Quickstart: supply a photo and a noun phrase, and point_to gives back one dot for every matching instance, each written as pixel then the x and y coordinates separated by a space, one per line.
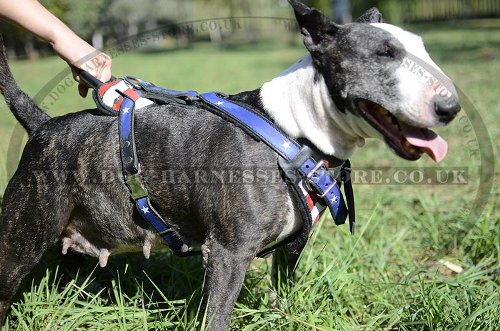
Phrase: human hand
pixel 81 56
pixel 98 66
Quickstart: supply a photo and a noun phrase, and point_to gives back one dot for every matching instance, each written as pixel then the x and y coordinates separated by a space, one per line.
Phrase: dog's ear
pixel 314 26
pixel 372 15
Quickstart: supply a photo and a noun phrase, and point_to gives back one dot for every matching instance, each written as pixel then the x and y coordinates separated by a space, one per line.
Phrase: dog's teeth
pixel 146 250
pixel 388 116
pixel 67 242
pixel 103 257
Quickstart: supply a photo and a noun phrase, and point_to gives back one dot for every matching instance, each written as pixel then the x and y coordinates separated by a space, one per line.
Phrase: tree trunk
pixel 97 39
pixel 341 11
pixel 29 48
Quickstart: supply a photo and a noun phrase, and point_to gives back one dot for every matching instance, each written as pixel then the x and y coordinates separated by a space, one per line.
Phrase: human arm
pixel 32 16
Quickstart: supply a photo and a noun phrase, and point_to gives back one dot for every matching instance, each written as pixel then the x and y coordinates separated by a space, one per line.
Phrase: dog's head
pixel 382 80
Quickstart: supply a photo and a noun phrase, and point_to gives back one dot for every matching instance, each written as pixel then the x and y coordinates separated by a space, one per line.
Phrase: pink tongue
pixel 427 140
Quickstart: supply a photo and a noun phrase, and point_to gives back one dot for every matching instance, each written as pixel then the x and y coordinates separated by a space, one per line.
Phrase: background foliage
pixel 103 22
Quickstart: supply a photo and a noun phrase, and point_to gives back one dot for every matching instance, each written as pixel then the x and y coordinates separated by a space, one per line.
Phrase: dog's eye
pixel 386 52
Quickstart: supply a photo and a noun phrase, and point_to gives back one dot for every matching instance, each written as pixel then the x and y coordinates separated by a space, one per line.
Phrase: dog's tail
pixel 22 106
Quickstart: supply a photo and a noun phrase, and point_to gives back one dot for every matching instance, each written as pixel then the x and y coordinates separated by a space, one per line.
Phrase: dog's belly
pixel 74 239
pixel 102 221
pixel 107 229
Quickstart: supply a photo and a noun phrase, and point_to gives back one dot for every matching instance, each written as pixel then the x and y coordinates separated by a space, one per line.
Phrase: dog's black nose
pixel 446 108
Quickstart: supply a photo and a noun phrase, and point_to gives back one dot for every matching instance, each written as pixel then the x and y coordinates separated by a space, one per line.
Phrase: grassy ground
pixel 392 275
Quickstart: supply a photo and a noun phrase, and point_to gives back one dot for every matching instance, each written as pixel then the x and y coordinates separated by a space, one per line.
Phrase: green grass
pixel 386 277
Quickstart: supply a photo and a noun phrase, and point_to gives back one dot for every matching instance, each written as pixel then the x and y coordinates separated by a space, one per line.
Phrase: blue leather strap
pixel 316 175
pixel 130 163
pixel 320 179
pixel 153 217
pixel 132 172
pixel 265 130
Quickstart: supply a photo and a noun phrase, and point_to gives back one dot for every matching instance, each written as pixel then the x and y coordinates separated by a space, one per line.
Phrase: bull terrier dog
pixel 357 81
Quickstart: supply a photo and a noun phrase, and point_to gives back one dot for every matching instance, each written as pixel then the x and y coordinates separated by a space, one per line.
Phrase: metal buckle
pixel 307 182
pixel 335 172
pixel 310 175
pixel 328 189
pixel 134 184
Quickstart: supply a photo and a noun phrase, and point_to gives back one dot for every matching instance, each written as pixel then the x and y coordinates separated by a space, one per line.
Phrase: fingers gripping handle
pixel 90 80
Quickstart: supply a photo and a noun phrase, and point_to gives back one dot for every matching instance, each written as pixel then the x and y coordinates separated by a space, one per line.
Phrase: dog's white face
pixel 415 75
pixel 421 97
pixel 363 81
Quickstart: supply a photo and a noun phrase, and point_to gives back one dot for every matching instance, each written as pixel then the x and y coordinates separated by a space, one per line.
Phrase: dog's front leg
pixel 224 276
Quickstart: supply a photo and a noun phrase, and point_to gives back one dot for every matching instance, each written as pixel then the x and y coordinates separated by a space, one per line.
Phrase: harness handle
pixel 89 80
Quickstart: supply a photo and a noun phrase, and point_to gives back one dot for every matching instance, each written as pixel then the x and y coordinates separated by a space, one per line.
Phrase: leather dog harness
pixel 315 178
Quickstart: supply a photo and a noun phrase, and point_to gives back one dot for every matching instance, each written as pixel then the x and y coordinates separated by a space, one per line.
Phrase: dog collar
pixel 303 167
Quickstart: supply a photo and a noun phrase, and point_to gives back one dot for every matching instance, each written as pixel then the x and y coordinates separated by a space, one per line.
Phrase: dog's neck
pixel 298 101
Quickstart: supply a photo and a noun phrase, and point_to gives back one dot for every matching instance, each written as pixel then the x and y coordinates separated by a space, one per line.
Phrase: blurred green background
pixel 103 22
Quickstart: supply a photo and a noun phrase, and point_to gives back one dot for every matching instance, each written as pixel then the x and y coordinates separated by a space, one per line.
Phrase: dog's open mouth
pixel 408 141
